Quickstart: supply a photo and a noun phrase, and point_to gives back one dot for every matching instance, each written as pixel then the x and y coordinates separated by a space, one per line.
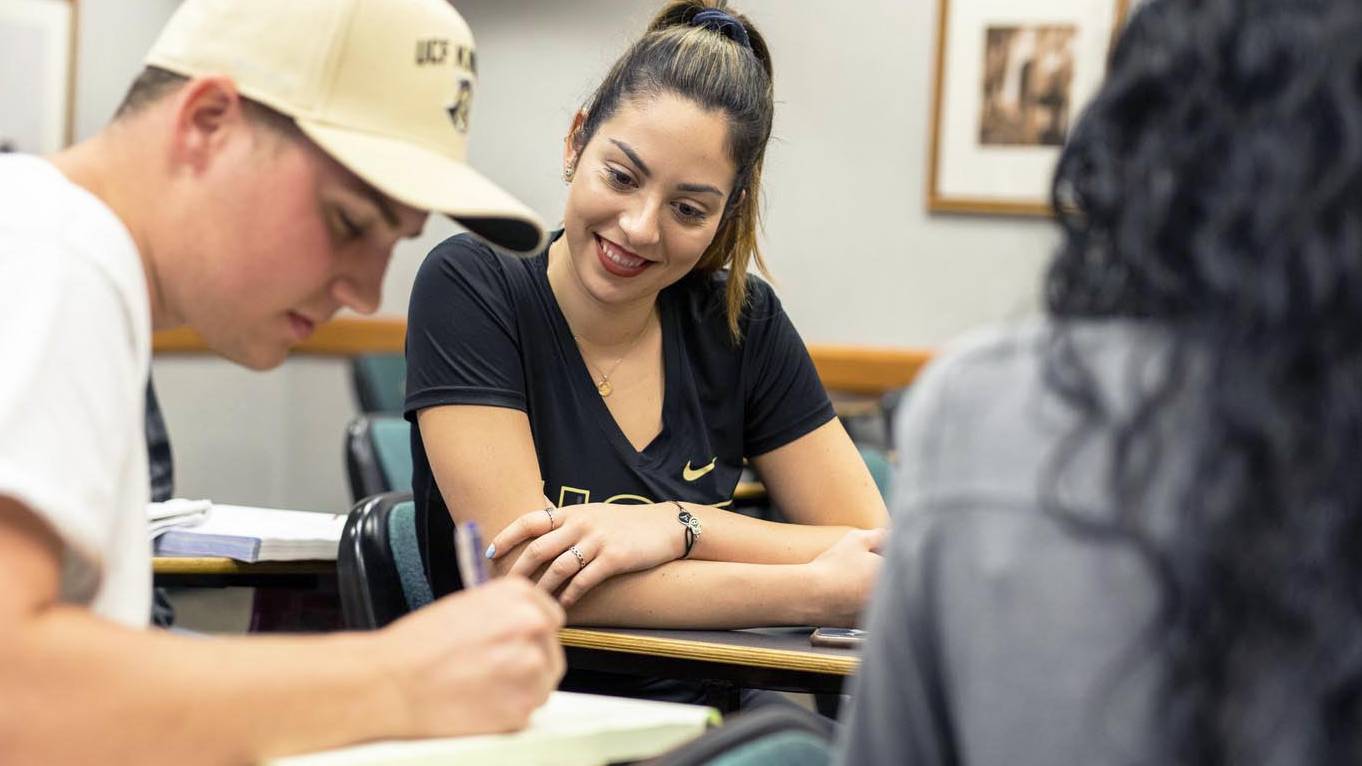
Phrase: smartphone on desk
pixel 838 638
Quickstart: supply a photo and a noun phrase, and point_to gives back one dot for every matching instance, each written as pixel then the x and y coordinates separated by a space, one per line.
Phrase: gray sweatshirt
pixel 997 635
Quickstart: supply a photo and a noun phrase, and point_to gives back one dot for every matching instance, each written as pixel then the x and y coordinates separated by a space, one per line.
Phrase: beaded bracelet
pixel 692 524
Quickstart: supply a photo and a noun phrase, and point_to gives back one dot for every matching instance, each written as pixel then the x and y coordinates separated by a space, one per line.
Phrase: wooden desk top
pixel 776 648
pixel 186 565
pixel 749 490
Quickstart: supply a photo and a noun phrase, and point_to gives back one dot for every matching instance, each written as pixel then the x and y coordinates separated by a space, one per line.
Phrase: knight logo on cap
pixel 434 52
pixel 458 111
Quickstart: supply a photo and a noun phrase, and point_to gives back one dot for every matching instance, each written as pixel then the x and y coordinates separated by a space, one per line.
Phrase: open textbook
pixel 569 730
pixel 254 534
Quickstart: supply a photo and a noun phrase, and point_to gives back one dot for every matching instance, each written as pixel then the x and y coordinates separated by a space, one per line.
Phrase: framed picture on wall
pixel 36 83
pixel 1011 78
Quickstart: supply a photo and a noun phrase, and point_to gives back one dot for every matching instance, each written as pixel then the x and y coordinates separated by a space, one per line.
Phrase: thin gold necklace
pixel 603 386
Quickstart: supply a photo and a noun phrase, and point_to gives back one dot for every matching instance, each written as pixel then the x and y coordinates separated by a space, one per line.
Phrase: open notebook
pixel 569 730
pixel 256 534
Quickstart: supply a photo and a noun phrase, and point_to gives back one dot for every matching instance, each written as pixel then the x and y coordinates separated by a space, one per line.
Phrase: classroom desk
pixel 765 658
pixel 215 572
pixel 290 596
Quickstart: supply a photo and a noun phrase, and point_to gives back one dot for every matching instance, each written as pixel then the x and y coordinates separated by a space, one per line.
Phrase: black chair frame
pixel 362 466
pixel 370 587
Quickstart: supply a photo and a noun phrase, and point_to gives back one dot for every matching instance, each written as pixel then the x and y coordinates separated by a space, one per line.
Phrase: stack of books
pixel 179 512
pixel 253 534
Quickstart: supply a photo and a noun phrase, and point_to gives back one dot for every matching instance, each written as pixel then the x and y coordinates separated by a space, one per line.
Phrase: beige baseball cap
pixel 383 86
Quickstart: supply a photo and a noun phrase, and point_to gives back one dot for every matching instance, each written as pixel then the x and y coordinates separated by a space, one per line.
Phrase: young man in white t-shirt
pixel 254 183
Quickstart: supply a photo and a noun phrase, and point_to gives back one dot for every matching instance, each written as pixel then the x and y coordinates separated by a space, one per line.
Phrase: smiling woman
pixel 635 362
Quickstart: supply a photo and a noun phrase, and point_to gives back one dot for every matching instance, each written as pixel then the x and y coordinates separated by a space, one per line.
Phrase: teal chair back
pixel 392 444
pixel 378 455
pixel 787 748
pixel 380 382
pixel 406 553
pixel 379 570
pixel 766 736
pixel 881 470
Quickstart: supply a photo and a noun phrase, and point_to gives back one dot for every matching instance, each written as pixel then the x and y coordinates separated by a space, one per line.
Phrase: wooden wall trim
pixel 867 369
pixel 343 336
pixel 851 369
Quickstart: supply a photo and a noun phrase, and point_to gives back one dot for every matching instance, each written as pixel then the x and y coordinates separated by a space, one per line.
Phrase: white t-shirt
pixel 75 349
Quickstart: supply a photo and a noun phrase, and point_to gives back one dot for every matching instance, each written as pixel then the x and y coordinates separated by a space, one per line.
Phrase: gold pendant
pixel 603 388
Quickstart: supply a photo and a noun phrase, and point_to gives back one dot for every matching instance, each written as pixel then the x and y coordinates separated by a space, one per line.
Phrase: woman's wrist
pixel 815 592
pixel 805 596
pixel 675 530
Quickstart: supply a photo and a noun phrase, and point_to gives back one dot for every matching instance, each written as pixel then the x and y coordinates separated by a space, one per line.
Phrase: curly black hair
pixel 1213 188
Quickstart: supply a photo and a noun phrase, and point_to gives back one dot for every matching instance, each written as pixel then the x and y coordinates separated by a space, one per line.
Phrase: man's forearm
pixel 79 689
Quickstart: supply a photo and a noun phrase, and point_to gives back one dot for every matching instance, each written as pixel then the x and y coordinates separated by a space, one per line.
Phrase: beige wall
pixel 856 258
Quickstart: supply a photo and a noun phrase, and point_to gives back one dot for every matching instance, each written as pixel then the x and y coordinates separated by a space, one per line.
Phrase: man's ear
pixel 208 113
pixel 570 149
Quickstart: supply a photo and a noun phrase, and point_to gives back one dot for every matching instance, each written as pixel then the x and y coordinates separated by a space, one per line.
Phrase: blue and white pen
pixel 468 552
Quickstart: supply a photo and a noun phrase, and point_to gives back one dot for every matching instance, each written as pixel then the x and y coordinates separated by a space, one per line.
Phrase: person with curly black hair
pixel 1130 533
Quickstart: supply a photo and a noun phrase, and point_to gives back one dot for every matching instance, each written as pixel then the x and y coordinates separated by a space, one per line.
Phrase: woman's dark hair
pixel 1213 188
pixel 719 71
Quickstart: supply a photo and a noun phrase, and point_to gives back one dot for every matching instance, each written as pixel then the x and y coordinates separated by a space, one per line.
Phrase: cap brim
pixel 429 180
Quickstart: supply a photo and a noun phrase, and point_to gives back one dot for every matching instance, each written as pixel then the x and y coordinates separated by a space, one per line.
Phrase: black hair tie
pixel 692 525
pixel 721 22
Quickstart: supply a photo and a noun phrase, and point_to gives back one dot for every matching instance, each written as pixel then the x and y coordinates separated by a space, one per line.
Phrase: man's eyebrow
pixel 699 189
pixel 381 202
pixel 629 150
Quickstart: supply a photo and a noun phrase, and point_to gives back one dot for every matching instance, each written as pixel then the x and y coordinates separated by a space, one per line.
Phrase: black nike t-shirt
pixel 484 328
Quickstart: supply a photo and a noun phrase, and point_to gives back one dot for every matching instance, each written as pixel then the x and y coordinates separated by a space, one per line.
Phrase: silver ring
pixel 549 511
pixel 581 560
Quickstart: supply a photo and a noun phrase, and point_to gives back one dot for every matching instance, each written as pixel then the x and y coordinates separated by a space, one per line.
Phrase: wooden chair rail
pixel 850 369
pixel 867 369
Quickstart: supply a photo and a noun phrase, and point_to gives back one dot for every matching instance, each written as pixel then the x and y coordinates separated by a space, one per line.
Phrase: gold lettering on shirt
pixel 572 496
pixel 629 500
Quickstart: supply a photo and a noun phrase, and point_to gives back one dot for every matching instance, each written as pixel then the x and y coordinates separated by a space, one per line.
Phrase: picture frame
pixel 37 83
pixel 1010 80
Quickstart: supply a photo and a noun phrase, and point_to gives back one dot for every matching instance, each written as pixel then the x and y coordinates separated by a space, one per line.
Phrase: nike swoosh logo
pixel 691 474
